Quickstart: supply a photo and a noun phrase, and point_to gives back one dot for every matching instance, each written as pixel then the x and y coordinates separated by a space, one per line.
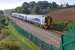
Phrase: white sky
pixel 9 4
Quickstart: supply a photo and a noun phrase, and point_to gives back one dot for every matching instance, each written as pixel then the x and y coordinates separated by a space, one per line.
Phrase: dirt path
pixel 44 35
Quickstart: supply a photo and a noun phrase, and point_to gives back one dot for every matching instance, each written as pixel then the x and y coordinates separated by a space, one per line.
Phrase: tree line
pixel 41 7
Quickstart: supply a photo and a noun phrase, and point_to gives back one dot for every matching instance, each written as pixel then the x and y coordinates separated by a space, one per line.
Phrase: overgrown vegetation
pixel 27 44
pixel 10 39
pixel 41 7
pixel 4 34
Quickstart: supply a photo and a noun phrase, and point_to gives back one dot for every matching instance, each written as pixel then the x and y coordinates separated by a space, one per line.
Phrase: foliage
pixel 19 9
pixel 13 40
pixel 60 26
pixel 26 43
pixel 54 5
pixel 41 7
pixel 1 13
pixel 3 22
pixel 9 45
pixel 4 34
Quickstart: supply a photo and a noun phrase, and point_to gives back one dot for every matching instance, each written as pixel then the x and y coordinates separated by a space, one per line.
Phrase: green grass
pixel 26 42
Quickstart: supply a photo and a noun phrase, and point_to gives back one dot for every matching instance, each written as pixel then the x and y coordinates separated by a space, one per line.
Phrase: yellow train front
pixel 48 22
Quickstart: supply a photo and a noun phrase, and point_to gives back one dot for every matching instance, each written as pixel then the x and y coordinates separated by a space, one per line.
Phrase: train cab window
pixel 45 19
pixel 48 20
pixel 21 16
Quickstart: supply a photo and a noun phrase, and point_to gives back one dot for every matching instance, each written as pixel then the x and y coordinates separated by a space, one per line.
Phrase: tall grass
pixel 22 39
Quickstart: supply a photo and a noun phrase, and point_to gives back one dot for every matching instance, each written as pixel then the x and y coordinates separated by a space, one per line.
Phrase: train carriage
pixel 42 20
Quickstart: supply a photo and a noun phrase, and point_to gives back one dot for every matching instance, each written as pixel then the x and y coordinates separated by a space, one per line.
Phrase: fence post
pixel 62 42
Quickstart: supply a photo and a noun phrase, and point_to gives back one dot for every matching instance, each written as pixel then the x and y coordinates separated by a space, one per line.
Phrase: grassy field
pixel 67 14
pixel 27 43
pixel 11 39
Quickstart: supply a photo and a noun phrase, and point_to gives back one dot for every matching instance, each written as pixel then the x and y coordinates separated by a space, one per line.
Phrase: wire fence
pixel 41 44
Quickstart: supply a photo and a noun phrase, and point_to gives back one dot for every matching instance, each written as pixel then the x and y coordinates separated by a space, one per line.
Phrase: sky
pixel 10 4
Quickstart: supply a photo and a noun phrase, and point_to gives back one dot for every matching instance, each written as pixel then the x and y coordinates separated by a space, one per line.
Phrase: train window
pixel 21 16
pixel 36 19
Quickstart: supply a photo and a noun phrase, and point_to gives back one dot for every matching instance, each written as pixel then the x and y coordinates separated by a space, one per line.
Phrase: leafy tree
pixel 1 13
pixel 54 5
pixel 25 4
pixel 67 5
pixel 43 4
pixel 26 10
pixel 25 7
pixel 41 7
pixel 19 9
pixel 32 4
pixel 37 10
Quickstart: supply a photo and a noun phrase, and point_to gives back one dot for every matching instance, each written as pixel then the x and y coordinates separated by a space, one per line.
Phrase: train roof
pixel 31 15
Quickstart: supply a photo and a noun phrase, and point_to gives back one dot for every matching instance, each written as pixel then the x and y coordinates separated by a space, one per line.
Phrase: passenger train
pixel 43 21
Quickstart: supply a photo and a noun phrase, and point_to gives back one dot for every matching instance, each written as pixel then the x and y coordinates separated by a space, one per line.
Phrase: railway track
pixel 44 35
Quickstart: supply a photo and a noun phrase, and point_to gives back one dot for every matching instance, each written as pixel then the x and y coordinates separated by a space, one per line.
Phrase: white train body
pixel 39 19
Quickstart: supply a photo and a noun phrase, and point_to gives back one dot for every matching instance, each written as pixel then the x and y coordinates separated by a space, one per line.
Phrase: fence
pixel 35 40
pixel 69 37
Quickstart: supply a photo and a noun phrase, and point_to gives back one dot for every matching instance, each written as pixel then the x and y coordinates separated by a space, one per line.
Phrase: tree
pixel 25 4
pixel 1 13
pixel 61 6
pixel 54 5
pixel 19 9
pixel 25 7
pixel 41 7
pixel 26 10
pixel 67 5
pixel 37 10
pixel 32 4
pixel 43 4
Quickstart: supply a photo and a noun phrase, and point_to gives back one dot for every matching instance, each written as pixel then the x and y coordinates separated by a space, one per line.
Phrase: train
pixel 43 21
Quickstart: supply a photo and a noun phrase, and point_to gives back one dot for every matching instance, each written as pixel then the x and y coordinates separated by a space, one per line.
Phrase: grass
pixel 10 37
pixel 30 45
